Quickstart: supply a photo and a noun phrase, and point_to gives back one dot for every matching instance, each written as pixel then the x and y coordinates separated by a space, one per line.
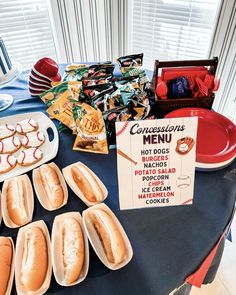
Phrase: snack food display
pixel 85 184
pixel 107 236
pixel 33 259
pixel 10 145
pixel 6 130
pixel 29 156
pixel 101 101
pixel 17 201
pixel 70 250
pixel 6 265
pixel 26 126
pixel 8 162
pixel 33 139
pixel 50 186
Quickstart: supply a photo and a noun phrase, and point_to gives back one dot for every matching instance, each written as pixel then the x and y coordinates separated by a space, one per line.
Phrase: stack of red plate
pixel 42 74
pixel 216 138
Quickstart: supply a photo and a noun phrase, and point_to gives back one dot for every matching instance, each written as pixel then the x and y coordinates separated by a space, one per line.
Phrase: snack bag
pixel 94 95
pixel 133 60
pixel 62 109
pixel 76 72
pixel 101 69
pixel 53 94
pixel 98 80
pixel 91 132
pixel 110 117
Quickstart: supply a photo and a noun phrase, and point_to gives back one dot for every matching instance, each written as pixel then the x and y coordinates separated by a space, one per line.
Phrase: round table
pixel 169 243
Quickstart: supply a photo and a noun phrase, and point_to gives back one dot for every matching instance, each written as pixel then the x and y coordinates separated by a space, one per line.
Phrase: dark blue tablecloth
pixel 169 243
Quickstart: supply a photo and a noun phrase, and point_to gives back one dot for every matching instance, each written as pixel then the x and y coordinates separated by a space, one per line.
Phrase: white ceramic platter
pixel 49 148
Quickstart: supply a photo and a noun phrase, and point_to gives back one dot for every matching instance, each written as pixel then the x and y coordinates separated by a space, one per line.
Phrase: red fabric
pixel 196 279
pixel 161 90
pixel 209 81
pixel 202 88
pixel 173 73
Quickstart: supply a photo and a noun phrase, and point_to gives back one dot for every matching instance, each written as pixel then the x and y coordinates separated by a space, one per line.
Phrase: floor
pixel 225 281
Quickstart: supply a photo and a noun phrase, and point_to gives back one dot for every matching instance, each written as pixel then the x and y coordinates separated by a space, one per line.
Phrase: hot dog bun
pixel 16 200
pixel 35 259
pixel 50 182
pixel 5 263
pixel 73 249
pixel 109 235
pixel 87 183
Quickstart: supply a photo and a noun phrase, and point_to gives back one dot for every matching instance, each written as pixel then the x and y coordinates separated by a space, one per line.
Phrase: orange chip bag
pixel 91 132
pixel 62 109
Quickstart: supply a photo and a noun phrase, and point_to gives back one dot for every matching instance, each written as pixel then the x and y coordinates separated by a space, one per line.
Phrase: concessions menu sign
pixel 156 162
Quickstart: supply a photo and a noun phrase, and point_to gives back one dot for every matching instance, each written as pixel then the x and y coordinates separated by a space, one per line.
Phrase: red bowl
pixel 216 136
pixel 39 83
pixel 56 78
pixel 47 67
pixel 38 87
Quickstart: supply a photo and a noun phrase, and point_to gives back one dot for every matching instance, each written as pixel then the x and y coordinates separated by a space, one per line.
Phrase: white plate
pixel 213 166
pixel 49 148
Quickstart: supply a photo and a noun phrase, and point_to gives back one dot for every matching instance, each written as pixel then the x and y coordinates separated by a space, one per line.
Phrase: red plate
pixel 216 136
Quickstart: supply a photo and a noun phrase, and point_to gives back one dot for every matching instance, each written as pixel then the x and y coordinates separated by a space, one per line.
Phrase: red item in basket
pixel 193 72
pixel 161 90
pixel 209 81
pixel 202 88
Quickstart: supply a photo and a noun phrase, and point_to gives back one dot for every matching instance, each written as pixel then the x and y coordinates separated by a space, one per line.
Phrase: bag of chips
pixel 94 92
pixel 101 69
pixel 62 109
pixel 132 60
pixel 90 127
pixel 98 80
pixel 76 72
pixel 53 94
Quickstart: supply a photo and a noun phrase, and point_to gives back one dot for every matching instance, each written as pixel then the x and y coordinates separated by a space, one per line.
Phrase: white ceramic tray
pixel 49 148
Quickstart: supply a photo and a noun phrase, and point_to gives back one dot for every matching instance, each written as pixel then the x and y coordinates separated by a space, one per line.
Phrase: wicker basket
pixel 164 106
